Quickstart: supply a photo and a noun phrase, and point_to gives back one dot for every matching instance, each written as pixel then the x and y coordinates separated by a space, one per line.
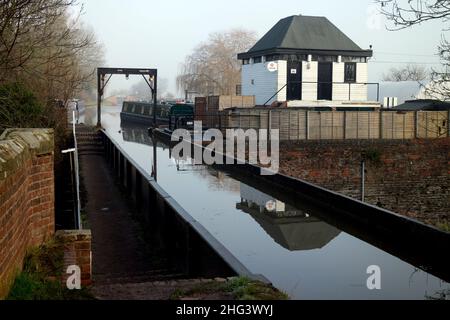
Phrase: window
pixel 246 61
pixel 257 59
pixel 350 72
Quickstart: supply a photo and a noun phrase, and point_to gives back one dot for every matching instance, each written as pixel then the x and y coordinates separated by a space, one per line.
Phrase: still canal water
pixel 300 254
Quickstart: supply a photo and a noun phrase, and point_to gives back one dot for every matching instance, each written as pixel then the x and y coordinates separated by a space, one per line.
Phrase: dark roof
pixel 423 105
pixel 305 34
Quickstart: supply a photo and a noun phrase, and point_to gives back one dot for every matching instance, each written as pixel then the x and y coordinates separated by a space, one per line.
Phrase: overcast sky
pixel 159 34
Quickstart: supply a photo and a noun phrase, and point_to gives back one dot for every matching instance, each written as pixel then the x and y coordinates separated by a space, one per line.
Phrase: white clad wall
pixel 282 80
pixel 340 90
pixel 265 83
pixel 310 74
pixel 359 91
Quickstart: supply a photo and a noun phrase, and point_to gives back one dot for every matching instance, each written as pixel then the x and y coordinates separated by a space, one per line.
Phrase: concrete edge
pixel 221 250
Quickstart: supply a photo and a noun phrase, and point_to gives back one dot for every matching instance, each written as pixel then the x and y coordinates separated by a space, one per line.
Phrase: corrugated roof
pixel 305 32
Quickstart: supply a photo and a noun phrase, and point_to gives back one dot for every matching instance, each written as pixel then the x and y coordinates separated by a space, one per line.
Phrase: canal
pixel 290 246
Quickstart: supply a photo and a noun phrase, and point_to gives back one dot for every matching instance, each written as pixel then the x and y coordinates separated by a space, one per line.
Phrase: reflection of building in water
pixel 291 228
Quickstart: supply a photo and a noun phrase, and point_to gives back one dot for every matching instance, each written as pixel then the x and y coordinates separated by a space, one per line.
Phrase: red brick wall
pixel 77 251
pixel 27 216
pixel 407 177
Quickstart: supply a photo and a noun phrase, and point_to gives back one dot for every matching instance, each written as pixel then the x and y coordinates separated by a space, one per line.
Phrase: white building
pixel 308 62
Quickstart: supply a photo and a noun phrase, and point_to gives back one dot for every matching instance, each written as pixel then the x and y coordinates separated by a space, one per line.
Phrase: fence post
pixel 393 125
pixel 307 125
pixel 269 126
pixel 279 123
pixel 259 120
pixel 404 126
pixel 416 125
pixel 320 125
pixel 448 124
pixel 332 125
pixel 363 180
pixel 240 122
pixel 289 125
pixel 345 125
pixel 357 125
pixel 381 124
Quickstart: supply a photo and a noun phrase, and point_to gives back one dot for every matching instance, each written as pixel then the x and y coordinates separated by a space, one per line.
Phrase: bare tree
pixel 410 72
pixel 45 47
pixel 407 13
pixel 213 67
pixel 45 52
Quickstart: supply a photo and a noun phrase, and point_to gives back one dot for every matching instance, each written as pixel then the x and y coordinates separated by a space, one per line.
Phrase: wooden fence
pixel 295 124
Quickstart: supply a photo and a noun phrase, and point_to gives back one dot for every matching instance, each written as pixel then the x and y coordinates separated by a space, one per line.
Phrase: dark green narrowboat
pixel 166 114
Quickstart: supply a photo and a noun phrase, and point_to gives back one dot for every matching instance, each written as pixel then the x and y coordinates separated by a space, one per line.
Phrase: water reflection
pixel 136 134
pixel 291 228
pixel 307 257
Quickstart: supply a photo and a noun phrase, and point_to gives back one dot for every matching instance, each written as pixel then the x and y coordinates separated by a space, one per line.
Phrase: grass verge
pixel 240 288
pixel 40 278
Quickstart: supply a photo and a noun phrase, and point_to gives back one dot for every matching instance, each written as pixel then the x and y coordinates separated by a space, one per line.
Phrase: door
pixel 325 81
pixel 294 80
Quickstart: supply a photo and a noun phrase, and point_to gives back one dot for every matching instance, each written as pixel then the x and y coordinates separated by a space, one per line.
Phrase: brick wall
pixel 77 252
pixel 408 177
pixel 27 216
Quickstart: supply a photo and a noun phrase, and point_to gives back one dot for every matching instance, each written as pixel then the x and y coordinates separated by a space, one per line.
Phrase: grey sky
pixel 142 33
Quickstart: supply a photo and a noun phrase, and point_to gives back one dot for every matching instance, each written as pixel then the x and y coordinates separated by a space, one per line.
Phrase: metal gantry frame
pixel 105 74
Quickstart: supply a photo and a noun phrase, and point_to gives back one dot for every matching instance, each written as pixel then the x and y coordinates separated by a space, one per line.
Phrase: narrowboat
pixel 171 115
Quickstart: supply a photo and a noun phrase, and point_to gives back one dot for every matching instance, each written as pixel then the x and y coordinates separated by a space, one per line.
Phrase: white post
pixel 77 173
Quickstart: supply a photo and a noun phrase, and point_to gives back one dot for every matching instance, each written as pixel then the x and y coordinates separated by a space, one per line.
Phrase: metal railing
pixel 330 83
pixel 75 172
